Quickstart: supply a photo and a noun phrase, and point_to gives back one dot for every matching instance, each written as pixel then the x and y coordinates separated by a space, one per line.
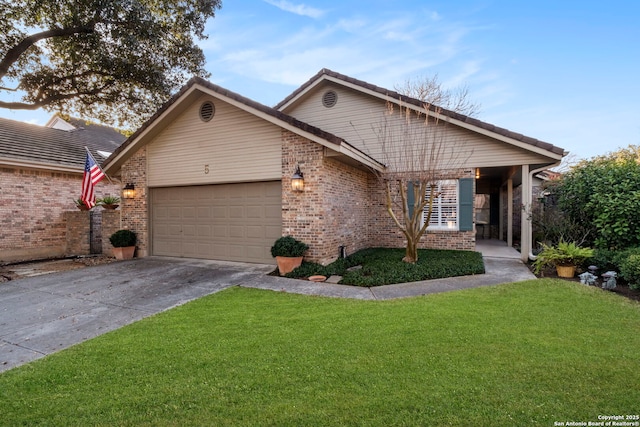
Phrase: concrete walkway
pixel 47 313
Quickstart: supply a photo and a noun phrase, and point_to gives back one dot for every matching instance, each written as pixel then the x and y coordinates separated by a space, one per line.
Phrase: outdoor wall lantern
pixel 297 180
pixel 477 173
pixel 129 191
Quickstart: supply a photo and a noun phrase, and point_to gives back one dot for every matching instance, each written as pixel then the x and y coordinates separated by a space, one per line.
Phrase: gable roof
pixel 100 137
pixel 197 86
pixel 389 95
pixel 27 145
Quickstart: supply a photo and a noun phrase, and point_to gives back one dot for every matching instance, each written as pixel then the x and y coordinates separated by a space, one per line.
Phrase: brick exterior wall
pixel 135 212
pixel 77 232
pixel 33 203
pixel 111 222
pixel 332 210
pixel 385 233
pixel 345 206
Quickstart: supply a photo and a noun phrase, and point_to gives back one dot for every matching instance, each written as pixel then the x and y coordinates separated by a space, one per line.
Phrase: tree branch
pixel 15 52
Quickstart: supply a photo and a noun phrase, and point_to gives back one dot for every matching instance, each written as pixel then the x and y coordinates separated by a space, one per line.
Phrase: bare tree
pixel 419 153
pixel 430 91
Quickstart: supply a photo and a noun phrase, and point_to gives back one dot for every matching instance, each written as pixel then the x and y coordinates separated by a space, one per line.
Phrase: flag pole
pixel 98 164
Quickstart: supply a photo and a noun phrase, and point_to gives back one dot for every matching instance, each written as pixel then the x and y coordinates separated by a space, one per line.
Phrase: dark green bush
pixel 123 239
pixel 630 270
pixel 601 193
pixel 383 266
pixel 289 247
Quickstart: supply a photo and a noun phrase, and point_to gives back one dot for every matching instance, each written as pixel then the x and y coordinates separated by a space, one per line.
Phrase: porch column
pixel 525 238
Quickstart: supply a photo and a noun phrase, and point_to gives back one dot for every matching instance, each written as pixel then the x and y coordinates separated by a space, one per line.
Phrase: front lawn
pixel 384 266
pixel 530 353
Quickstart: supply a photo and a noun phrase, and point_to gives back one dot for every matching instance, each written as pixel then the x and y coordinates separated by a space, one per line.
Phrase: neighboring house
pixel 212 173
pixel 41 172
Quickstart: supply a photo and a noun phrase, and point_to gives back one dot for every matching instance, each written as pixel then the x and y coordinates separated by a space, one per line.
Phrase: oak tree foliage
pixel 116 61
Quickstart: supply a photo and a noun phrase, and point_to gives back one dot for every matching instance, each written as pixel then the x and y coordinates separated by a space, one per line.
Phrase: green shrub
pixel 630 271
pixel 123 239
pixel 308 269
pixel 289 247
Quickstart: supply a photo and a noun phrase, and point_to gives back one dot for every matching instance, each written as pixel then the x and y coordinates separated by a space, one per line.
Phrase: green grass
pixel 521 354
pixel 384 266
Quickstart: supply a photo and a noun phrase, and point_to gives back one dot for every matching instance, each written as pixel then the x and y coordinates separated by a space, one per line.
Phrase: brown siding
pixel 234 146
pixel 357 117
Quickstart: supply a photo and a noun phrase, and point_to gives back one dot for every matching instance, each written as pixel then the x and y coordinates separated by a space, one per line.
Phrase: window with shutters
pixel 445 213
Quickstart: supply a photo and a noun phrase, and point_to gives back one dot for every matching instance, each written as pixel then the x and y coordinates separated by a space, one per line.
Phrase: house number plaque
pixel 206 169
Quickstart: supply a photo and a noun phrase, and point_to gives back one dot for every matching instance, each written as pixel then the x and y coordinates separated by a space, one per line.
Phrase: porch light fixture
pixel 129 191
pixel 477 173
pixel 297 180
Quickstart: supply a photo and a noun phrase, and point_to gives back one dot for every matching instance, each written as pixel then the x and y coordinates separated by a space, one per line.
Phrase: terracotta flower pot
pixel 110 207
pixel 566 271
pixel 288 264
pixel 124 252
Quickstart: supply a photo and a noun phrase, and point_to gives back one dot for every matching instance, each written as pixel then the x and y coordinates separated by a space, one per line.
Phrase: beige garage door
pixel 231 222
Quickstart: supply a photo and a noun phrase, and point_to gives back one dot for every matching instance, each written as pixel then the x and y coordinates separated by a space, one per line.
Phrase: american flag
pixel 92 175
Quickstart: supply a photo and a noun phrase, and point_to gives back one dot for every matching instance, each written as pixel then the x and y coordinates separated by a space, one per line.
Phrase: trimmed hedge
pixel 383 266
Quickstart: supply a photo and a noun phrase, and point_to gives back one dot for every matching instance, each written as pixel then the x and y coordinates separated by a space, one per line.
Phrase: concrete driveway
pixel 44 314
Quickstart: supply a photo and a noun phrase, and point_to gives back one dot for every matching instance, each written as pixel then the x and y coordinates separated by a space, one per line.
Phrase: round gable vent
pixel 207 110
pixel 329 99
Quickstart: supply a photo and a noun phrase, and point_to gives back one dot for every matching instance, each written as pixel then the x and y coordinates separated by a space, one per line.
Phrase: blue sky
pixel 565 72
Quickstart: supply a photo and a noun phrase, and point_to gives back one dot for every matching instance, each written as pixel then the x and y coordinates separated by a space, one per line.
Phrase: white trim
pixel 438 213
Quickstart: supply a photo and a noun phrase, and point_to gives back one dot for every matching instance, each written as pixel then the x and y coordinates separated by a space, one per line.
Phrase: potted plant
pixel 565 257
pixel 288 253
pixel 109 202
pixel 81 205
pixel 124 244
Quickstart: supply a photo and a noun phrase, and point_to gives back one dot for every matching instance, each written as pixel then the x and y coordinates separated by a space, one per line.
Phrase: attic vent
pixel 207 110
pixel 329 99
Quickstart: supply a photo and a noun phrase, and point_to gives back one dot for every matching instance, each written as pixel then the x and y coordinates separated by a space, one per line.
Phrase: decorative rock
pixel 354 268
pixel 334 279
pixel 587 278
pixel 609 280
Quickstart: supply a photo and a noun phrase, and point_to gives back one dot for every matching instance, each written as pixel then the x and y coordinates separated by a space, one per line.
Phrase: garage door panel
pixel 219 212
pixel 255 211
pixel 255 232
pixel 235 222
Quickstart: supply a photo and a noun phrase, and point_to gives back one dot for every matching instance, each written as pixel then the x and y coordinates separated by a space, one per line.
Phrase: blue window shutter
pixel 410 198
pixel 466 204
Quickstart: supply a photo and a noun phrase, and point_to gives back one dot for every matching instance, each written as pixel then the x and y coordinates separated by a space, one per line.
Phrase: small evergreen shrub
pixel 288 246
pixel 630 271
pixel 123 239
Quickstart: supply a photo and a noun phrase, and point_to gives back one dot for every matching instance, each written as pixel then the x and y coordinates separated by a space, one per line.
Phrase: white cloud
pixel 298 9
